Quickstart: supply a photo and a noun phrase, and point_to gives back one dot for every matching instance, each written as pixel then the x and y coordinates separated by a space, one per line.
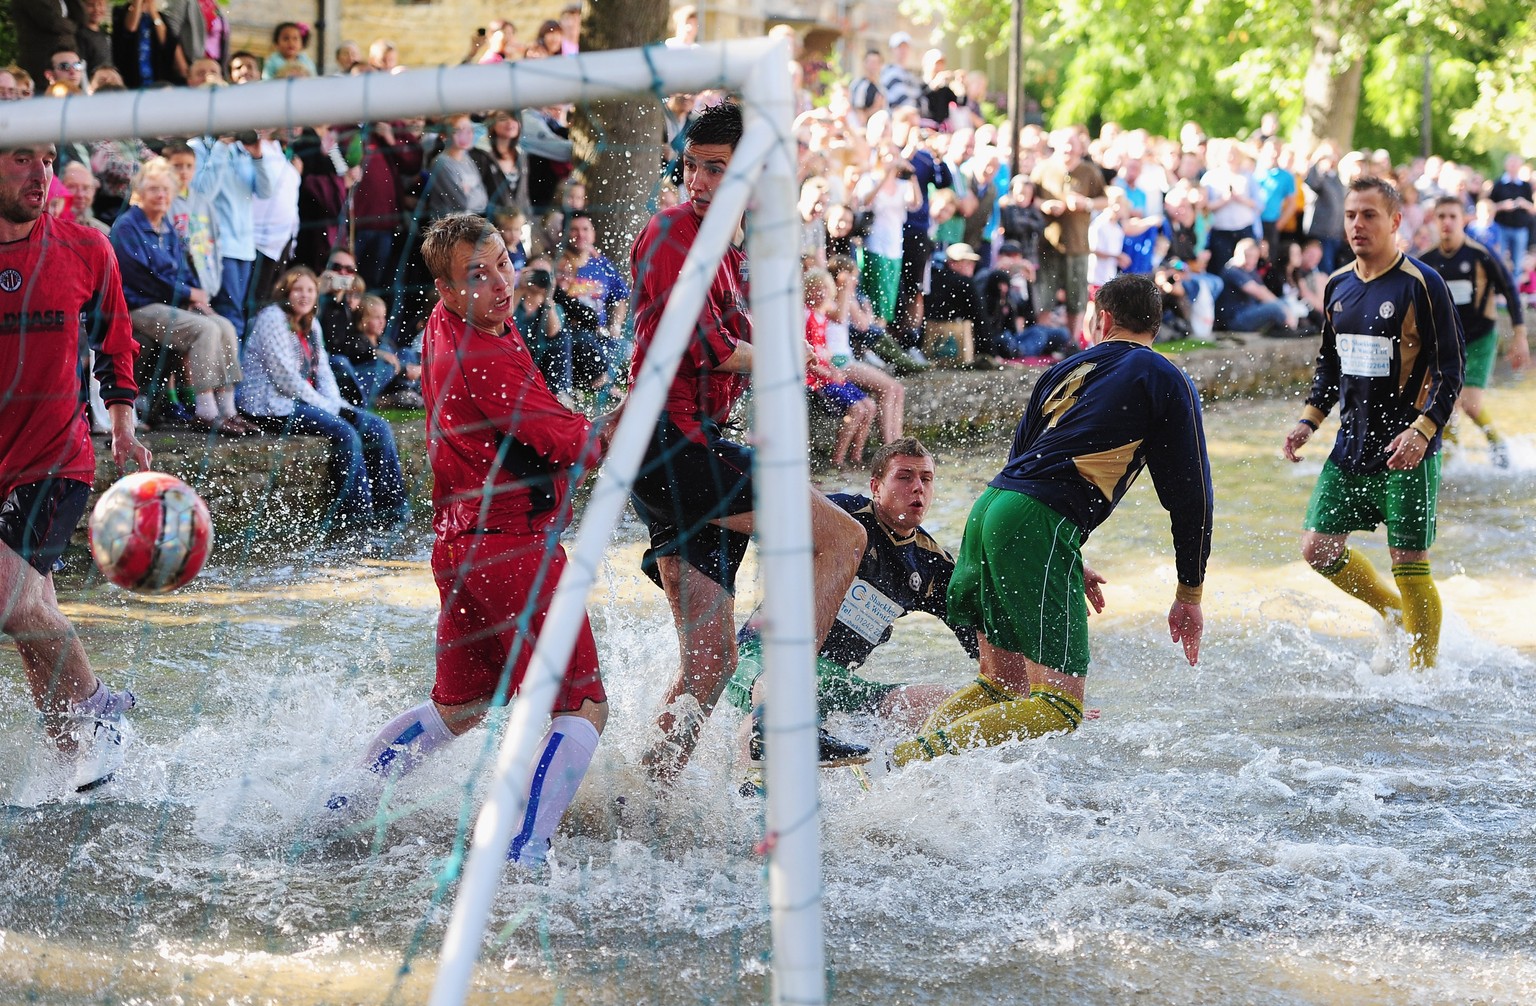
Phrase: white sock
pixel 226 399
pixel 206 408
pixel 557 773
pixel 406 741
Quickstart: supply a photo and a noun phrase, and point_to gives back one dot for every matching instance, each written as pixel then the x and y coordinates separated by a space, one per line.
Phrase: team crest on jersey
pixel 916 580
pixel 1466 266
pixel 1387 309
pixel 10 281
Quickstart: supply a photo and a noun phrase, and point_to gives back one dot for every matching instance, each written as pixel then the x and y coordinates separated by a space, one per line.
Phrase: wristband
pixel 1309 423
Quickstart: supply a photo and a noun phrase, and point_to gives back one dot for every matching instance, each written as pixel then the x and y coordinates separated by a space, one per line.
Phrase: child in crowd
pixel 1106 240
pixel 845 313
pixel 288 58
pixel 829 383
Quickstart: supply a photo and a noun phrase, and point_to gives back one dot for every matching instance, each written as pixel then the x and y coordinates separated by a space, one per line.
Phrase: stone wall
pixel 266 494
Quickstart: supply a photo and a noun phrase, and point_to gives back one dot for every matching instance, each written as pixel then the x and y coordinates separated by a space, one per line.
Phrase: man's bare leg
pixel 706 619
pixel 58 671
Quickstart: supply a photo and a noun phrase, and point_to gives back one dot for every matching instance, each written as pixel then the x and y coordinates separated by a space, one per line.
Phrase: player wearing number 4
pixel 53 272
pixel 1392 358
pixel 1474 275
pixel 1092 424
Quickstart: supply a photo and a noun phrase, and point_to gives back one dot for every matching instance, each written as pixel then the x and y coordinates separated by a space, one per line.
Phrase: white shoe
pixel 100 747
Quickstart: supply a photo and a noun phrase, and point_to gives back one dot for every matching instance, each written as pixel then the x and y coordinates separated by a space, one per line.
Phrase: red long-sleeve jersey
pixel 699 391
pixel 60 294
pixel 501 446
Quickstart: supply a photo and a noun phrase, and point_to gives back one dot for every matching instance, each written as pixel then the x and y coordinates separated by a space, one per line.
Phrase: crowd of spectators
pixel 920 243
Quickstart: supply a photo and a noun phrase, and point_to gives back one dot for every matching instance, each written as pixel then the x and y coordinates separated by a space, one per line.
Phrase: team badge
pixel 1466 266
pixel 10 281
pixel 1387 309
pixel 916 581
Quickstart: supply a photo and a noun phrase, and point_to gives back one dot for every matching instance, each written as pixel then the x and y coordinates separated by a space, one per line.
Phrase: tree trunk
pixel 1330 91
pixel 620 145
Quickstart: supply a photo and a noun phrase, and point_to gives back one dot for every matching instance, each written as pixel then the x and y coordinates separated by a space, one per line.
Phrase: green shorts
pixel 1481 355
pixel 1019 581
pixel 879 281
pixel 838 690
pixel 1404 501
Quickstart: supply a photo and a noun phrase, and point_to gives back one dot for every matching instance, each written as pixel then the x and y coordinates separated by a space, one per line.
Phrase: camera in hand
pixel 905 172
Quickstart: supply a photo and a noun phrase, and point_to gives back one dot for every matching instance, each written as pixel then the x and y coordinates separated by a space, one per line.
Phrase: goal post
pixel 761 173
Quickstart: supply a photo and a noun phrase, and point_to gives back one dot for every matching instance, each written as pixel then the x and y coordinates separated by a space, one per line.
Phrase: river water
pixel 1298 819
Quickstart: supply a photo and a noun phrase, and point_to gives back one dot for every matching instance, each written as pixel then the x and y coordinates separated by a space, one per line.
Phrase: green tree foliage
pixel 7 36
pixel 1159 63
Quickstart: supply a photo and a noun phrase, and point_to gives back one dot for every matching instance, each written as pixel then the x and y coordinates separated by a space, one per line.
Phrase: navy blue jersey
pixel 1094 421
pixel 898 574
pixel 1473 275
pixel 1391 358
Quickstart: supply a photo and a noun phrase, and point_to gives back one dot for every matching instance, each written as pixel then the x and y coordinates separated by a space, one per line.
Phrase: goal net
pixel 209 869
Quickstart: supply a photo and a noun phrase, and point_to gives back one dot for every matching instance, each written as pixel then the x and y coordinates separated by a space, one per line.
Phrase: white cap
pixel 900 38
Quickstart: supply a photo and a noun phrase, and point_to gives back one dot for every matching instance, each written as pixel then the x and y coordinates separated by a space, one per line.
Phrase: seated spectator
pixel 1307 280
pixel 685 28
pixel 383 57
pixel 167 305
pixel 953 309
pixel 843 312
pixel 106 78
pixel 1009 330
pixel 349 59
pixel 1246 304
pixel 291 389
pixel 289 39
pixel 8 89
pixel 26 84
pixel 829 384
pixel 77 178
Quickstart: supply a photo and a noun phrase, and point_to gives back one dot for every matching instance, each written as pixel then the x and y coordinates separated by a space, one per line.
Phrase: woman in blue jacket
pixel 167 304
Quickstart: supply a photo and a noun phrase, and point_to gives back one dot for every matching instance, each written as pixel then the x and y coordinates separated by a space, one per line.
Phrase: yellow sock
pixel 978 694
pixel 1421 611
pixel 1046 711
pixel 1354 575
pixel 1484 421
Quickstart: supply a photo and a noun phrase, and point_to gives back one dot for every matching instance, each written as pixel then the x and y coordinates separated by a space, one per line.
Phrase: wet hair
pixel 1388 191
pixel 717 125
pixel 904 447
pixel 1134 301
pixel 447 233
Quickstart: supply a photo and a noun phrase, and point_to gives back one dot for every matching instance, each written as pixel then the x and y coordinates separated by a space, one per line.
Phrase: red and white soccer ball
pixel 150 533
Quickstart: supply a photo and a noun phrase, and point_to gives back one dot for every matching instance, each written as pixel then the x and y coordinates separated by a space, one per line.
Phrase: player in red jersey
pixel 54 274
pixel 694 489
pixel 505 455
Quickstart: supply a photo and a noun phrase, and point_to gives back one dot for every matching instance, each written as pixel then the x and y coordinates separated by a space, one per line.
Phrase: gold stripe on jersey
pixel 1106 468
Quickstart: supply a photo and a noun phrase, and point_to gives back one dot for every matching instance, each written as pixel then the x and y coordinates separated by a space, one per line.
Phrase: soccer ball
pixel 150 533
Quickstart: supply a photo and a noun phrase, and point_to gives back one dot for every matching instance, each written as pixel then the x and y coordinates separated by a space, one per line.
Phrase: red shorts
pixel 485 582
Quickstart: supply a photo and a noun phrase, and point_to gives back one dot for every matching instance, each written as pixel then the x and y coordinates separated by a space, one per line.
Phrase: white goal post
pixel 762 172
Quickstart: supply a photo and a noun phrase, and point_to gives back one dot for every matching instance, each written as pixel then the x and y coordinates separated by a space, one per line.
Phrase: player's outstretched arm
pixel 1186 625
pixel 125 444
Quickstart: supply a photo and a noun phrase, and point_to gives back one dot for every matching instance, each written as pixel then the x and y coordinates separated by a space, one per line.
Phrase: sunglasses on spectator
pixel 78 64
pixel 343 267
